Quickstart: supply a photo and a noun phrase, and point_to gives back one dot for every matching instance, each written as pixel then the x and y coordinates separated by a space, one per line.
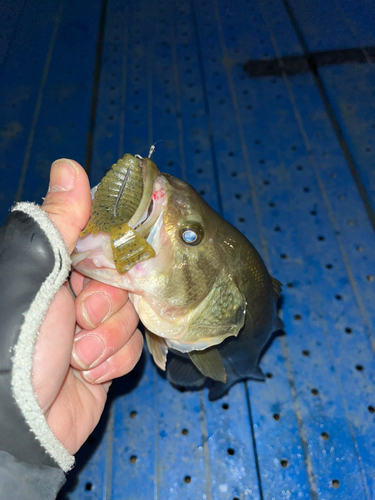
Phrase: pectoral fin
pixel 209 363
pixel 158 349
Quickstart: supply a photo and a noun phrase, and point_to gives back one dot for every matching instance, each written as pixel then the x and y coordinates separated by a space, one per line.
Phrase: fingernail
pixel 95 308
pixel 63 175
pixel 87 350
pixel 97 374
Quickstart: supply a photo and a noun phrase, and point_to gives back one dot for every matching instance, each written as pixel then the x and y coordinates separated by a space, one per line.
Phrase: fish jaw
pixel 93 256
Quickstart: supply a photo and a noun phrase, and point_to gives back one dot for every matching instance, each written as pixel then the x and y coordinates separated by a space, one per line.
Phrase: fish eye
pixel 191 235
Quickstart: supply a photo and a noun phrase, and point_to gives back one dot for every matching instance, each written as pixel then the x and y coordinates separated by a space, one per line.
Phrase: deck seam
pixel 109 455
pixel 38 105
pixel 332 117
pixel 95 89
pixel 207 109
pixel 206 451
pixel 124 74
pixel 257 466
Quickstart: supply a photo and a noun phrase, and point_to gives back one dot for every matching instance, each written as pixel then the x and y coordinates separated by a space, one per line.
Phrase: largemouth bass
pixel 200 288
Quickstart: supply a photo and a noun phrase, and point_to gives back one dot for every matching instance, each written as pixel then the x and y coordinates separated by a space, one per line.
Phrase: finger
pixel 68 200
pixel 97 302
pixel 119 364
pixel 53 348
pixel 76 411
pixel 93 347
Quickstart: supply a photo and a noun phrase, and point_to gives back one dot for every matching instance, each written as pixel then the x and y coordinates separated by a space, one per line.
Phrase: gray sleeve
pixel 19 480
pixel 34 263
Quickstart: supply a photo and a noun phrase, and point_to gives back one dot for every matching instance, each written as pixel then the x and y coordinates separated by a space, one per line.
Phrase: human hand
pixel 85 343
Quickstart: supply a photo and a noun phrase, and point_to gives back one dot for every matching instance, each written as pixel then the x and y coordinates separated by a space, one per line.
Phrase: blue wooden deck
pixel 288 157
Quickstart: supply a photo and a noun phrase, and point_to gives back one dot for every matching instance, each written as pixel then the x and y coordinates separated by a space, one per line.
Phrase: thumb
pixel 68 201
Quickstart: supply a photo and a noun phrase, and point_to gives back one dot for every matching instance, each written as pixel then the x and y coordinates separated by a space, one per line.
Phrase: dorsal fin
pixel 276 285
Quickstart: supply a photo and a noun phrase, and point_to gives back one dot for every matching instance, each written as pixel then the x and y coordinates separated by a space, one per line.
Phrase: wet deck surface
pixel 286 152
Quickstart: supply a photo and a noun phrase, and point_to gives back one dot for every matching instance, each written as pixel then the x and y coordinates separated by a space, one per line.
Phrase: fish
pixel 202 291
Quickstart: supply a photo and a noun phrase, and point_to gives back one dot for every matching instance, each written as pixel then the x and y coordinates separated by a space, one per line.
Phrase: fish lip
pixel 149 173
pixel 153 209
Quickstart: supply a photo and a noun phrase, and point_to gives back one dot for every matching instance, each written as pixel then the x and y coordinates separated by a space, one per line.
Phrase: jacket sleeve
pixel 34 263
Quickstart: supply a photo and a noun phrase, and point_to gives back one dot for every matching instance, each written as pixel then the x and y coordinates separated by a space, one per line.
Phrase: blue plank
pixel 322 25
pixel 360 19
pixel 22 81
pixel 351 94
pixel 11 13
pixel 63 120
pixel 133 455
pixel 335 24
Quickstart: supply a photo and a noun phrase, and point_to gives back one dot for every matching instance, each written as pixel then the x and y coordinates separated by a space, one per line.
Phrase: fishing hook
pixel 152 148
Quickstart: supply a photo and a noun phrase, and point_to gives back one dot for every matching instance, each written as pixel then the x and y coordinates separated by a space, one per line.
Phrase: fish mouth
pixel 153 209
pixel 124 231
pixel 150 173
